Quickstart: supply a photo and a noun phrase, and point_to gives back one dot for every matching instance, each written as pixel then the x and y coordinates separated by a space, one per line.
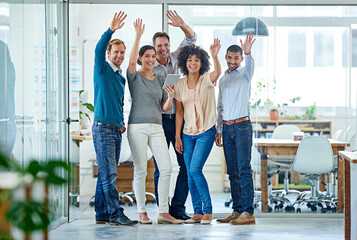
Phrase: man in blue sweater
pixel 109 85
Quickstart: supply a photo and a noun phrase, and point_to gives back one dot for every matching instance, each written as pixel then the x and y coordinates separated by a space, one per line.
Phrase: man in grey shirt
pixel 166 63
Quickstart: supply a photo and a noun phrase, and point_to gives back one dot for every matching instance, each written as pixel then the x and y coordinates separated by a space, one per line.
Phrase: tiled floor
pixel 269 226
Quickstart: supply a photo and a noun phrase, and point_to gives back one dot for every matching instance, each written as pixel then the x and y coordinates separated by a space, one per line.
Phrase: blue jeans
pixel 237 145
pixel 195 152
pixel 107 143
pixel 181 189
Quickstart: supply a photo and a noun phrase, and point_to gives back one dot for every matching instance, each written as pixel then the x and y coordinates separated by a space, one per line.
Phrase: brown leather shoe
pixel 244 219
pixel 231 217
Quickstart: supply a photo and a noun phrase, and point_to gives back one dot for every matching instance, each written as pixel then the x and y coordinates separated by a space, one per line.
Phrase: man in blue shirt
pixel 235 127
pixel 166 63
pixel 108 124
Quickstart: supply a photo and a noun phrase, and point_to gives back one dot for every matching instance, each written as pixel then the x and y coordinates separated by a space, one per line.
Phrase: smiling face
pixel 116 54
pixel 233 60
pixel 193 64
pixel 162 47
pixel 148 59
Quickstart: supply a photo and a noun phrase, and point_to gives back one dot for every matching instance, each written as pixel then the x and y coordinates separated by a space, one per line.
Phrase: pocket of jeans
pixel 243 126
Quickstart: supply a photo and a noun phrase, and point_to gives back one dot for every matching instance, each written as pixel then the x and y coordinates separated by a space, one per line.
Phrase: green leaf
pixel 80 92
pixel 5 236
pixel 54 169
pixel 87 116
pixel 34 167
pixel 4 162
pixel 89 106
pixel 28 216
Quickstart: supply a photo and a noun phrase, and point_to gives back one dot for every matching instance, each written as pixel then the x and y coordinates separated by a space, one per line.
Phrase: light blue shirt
pixel 234 93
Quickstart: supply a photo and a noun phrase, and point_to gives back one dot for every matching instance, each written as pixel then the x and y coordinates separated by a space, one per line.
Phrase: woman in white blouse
pixel 196 104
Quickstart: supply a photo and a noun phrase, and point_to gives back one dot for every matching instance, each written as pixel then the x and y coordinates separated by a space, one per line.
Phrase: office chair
pixel 272 170
pixel 313 158
pixel 284 161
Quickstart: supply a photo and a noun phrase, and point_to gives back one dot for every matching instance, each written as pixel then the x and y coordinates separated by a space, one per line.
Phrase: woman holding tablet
pixel 145 125
pixel 196 104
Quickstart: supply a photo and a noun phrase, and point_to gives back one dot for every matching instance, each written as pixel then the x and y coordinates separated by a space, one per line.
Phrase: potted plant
pixel 85 109
pixel 274 114
pixel 28 215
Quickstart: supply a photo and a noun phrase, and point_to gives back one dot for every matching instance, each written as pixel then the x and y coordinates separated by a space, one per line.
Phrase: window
pixel 296 48
pixel 323 48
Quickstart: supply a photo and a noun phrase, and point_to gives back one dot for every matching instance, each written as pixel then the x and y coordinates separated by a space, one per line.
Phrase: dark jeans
pixel 181 190
pixel 237 145
pixel 107 142
pixel 196 150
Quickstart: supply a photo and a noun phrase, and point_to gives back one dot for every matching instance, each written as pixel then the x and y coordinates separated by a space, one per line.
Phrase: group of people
pixel 183 114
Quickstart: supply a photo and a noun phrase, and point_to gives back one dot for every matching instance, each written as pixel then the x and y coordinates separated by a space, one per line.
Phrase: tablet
pixel 171 79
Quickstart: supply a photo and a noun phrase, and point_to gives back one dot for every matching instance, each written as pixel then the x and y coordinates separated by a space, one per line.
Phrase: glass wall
pixel 30 88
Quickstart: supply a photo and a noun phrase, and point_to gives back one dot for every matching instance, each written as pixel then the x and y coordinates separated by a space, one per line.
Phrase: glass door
pixel 59 121
pixel 56 103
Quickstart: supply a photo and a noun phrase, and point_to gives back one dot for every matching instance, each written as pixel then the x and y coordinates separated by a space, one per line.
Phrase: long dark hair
pixel 142 51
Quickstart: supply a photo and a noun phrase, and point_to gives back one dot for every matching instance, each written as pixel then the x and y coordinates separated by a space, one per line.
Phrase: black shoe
pixel 102 221
pixel 123 220
pixel 180 215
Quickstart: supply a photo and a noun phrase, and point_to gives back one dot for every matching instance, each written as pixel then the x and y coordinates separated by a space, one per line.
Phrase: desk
pixel 79 138
pixel 289 147
pixel 349 158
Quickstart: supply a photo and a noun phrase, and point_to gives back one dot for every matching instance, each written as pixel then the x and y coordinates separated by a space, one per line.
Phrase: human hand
pixel 215 47
pixel 170 91
pixel 122 129
pixel 218 140
pixel 248 43
pixel 175 19
pixel 178 145
pixel 139 27
pixel 118 21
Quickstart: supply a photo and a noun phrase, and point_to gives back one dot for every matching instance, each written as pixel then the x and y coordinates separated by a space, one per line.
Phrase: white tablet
pixel 171 79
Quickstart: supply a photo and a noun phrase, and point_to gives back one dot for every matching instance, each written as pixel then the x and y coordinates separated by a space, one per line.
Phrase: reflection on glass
pixel 7 101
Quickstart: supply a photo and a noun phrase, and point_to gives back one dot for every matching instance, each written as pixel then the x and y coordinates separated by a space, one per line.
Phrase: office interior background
pixel 306 67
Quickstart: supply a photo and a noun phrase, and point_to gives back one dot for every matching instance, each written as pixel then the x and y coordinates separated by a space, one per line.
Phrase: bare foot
pixel 197 217
pixel 144 216
pixel 207 217
pixel 168 216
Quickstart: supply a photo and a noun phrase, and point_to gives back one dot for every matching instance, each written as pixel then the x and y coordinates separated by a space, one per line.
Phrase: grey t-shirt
pixel 147 96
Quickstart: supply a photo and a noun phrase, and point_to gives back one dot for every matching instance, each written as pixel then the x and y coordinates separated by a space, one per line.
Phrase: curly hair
pixel 191 50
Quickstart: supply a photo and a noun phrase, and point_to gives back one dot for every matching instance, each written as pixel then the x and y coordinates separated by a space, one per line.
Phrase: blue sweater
pixel 108 87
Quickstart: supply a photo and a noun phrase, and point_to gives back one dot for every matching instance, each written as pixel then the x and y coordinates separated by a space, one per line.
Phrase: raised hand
pixel 214 48
pixel 139 27
pixel 170 91
pixel 248 43
pixel 175 19
pixel 118 21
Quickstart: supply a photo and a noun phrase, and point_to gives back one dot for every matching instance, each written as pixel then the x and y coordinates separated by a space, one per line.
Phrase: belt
pixel 236 121
pixel 107 125
pixel 170 116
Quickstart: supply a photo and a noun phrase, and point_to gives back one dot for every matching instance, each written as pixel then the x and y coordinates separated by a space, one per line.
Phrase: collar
pixel 168 61
pixel 115 68
pixel 234 71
